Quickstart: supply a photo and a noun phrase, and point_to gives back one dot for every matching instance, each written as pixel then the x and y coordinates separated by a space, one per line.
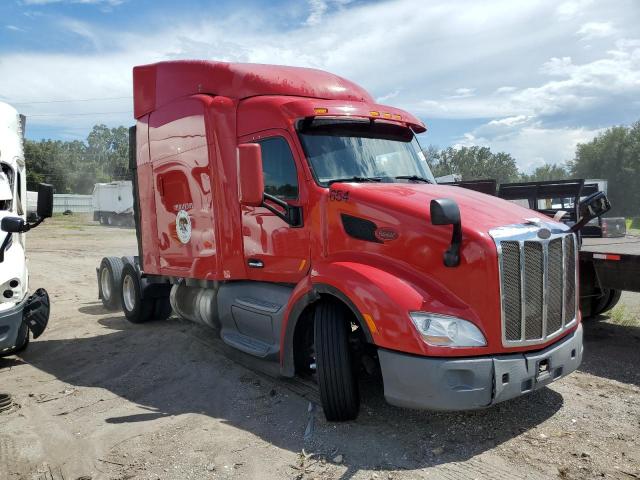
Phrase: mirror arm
pixel 580 223
pixel 33 225
pixel 451 256
pixel 292 214
pixel 6 241
pixel 9 235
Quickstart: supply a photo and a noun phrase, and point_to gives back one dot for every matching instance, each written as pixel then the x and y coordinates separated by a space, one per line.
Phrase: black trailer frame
pixel 608 266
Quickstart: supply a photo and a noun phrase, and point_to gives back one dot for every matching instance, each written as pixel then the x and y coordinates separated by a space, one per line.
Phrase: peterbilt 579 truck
pixel 20 313
pixel 289 211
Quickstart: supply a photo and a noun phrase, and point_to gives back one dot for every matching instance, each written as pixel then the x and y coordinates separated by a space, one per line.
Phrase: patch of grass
pixel 76 219
pixel 620 315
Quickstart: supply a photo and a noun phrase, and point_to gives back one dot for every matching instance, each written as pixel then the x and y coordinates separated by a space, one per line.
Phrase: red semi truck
pixel 289 211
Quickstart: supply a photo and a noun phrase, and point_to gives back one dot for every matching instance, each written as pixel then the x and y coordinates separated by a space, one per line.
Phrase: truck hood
pixel 478 211
pixel 385 229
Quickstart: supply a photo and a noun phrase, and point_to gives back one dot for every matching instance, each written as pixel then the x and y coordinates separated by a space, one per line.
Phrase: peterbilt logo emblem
pixel 544 233
pixel 385 234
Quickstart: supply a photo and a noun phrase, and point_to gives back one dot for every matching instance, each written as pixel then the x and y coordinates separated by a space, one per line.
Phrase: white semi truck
pixel 113 203
pixel 19 311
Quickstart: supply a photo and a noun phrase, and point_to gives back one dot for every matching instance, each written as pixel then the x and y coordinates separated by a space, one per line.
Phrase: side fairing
pixel 180 192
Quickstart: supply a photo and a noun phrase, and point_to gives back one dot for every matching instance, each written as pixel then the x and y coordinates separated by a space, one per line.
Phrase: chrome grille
pixel 511 290
pixel 554 286
pixel 537 282
pixel 533 291
pixel 570 287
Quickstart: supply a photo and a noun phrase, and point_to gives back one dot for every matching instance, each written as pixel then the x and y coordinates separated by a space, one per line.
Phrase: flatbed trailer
pixel 608 266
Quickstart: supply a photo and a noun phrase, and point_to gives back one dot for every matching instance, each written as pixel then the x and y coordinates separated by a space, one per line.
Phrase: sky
pixel 529 78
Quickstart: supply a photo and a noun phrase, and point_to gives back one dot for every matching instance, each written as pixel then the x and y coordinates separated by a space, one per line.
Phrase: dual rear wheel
pixel 139 309
pixel 120 286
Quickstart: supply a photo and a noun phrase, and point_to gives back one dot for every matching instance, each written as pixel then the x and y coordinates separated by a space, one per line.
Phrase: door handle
pixel 255 263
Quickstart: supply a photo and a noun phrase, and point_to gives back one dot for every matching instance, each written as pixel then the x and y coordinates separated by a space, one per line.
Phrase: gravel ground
pixel 97 397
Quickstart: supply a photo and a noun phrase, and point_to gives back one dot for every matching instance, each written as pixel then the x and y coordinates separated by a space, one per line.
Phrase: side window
pixel 279 168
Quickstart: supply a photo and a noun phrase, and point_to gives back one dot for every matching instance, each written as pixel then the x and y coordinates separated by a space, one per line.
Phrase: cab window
pixel 279 168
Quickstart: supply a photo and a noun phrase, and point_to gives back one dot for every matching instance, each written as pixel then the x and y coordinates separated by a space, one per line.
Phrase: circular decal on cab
pixel 183 226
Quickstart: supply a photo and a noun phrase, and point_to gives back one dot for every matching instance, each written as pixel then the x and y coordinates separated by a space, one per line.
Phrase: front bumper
pixel 10 322
pixel 477 382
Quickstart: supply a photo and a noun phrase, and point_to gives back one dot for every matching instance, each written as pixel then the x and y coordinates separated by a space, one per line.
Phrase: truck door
pixel 274 251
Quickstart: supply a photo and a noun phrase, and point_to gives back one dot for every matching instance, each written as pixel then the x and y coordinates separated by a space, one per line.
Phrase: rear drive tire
pixel 109 277
pixel 336 376
pixel 611 300
pixel 22 342
pixel 135 308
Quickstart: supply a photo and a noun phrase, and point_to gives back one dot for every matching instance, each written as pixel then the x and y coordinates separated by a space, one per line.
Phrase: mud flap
pixel 36 312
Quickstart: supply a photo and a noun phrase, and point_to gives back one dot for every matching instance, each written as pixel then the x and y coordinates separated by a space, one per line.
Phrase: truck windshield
pixel 360 150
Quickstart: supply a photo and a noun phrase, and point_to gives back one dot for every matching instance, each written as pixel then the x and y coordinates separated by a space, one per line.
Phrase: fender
pixel 379 300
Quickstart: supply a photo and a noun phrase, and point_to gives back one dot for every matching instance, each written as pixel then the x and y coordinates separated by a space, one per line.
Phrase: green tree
pixel 474 163
pixel 75 166
pixel 614 155
pixel 547 172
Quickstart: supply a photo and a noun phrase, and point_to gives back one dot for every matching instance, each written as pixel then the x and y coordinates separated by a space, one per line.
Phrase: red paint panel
pixel 182 183
pixel 284 250
pixel 158 84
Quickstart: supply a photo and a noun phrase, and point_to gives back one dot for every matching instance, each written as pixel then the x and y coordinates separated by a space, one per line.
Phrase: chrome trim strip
pixel 545 286
pixel 564 287
pixel 523 298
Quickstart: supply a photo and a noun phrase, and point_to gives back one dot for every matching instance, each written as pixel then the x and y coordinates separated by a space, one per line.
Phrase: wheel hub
pixel 105 282
pixel 129 293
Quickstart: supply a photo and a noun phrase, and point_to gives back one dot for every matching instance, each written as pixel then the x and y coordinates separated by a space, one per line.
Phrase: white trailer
pixel 113 203
pixel 19 312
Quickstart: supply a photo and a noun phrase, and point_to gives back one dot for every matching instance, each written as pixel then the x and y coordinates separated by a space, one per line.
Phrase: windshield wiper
pixel 354 179
pixel 415 178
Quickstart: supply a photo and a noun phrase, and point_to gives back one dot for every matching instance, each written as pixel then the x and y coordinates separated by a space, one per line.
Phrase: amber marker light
pixel 370 323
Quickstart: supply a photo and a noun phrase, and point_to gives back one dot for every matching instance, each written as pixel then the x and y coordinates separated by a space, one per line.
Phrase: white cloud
pixel 529 141
pixel 462 93
pixel 317 10
pixel 388 96
pixel 13 28
pixel 510 67
pixel 573 8
pixel 592 30
pixel 81 29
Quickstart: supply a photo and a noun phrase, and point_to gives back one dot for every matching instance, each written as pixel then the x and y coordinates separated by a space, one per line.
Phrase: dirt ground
pixel 97 397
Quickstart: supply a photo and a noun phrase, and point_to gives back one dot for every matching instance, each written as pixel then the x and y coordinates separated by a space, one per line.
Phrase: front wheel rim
pixel 129 293
pixel 105 282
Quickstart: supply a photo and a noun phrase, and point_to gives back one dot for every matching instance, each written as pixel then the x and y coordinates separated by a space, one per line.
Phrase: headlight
pixel 445 331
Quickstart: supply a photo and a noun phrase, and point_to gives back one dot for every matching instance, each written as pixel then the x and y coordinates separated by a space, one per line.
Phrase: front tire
pixel 335 372
pixel 109 276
